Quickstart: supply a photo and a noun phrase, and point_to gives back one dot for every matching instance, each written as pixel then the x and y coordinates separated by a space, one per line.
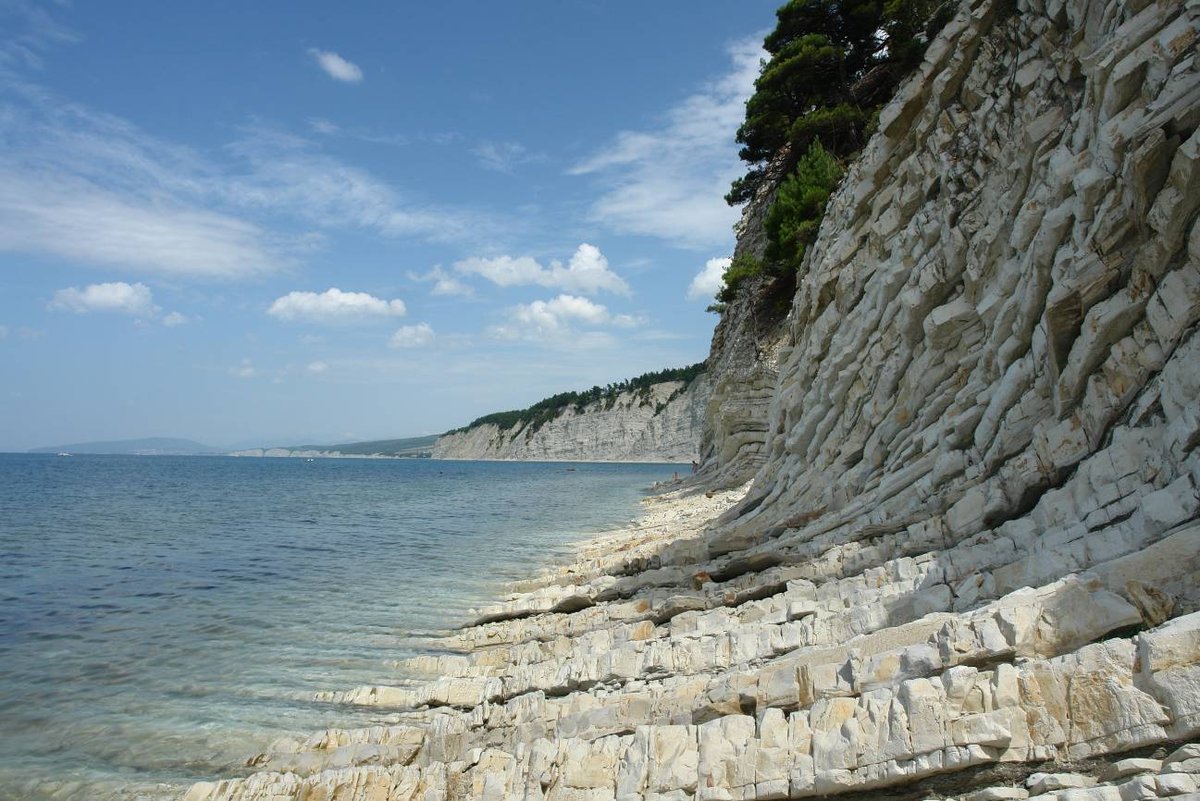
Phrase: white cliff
pixel 663 424
pixel 968 564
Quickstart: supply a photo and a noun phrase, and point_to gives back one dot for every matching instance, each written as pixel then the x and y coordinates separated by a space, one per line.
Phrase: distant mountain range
pixel 148 446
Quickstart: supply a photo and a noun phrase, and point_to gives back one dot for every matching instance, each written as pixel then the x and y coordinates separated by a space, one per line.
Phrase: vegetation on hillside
pixel 547 409
pixel 832 65
pixel 408 446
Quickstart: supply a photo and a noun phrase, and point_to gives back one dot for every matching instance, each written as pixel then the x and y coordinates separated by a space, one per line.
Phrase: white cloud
pixel 93 189
pixel 708 281
pixel 324 126
pixel 3 332
pixel 333 305
pixel 244 370
pixel 502 156
pixel 287 173
pixel 556 319
pixel 29 32
pixel 118 297
pixel 316 368
pixel 336 67
pixel 412 336
pixel 444 283
pixel 669 182
pixel 586 272
pixel 79 221
pixel 173 319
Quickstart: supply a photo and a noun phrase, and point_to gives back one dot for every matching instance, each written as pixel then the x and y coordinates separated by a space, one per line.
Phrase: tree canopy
pixel 831 65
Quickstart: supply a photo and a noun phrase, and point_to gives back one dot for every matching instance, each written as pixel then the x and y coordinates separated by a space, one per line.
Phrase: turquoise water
pixel 164 618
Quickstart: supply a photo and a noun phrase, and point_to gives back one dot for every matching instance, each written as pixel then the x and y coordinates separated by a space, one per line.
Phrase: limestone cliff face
pixel 968 565
pixel 998 315
pixel 743 360
pixel 743 370
pixel 663 425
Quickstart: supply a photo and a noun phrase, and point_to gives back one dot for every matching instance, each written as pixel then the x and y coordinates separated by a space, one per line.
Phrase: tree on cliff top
pixel 832 65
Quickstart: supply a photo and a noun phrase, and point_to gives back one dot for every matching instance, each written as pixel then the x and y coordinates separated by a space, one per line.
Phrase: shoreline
pixel 419 698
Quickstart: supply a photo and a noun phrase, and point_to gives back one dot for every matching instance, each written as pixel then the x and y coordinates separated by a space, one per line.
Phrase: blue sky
pixel 279 222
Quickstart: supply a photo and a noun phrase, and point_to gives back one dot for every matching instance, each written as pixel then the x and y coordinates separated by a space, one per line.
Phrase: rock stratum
pixel 967 564
pixel 662 424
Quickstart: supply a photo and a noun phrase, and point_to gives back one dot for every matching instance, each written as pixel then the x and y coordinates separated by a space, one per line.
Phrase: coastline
pixel 666 660
pixel 437 688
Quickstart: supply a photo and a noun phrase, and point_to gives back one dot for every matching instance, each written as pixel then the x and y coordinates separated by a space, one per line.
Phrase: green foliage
pixel 409 446
pixel 804 74
pixel 795 216
pixel 832 64
pixel 839 129
pixel 547 409
pixel 739 270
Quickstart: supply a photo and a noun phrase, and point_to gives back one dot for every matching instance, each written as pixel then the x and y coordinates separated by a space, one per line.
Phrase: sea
pixel 163 619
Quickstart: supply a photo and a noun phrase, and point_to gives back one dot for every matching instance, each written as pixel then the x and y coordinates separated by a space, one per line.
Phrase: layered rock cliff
pixel 661 424
pixel 743 360
pixel 967 566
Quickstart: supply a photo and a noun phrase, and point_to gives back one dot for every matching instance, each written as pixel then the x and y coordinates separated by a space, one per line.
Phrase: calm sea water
pixel 164 618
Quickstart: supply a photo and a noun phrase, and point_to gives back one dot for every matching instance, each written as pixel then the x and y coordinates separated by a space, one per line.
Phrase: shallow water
pixel 164 618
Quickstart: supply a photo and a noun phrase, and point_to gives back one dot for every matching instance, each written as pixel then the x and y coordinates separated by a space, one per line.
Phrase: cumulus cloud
pixel 444 284
pixel 412 336
pixel 708 281
pixel 587 272
pixel 244 370
pixel 173 319
pixel 668 182
pixel 333 305
pixel 549 320
pixel 118 297
pixel 336 67
pixel 316 368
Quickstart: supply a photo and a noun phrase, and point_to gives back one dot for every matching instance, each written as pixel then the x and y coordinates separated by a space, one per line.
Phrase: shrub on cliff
pixel 742 268
pixel 792 222
pixel 832 64
pixel 795 216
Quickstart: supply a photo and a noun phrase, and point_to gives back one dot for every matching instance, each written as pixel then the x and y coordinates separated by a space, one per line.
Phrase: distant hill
pixel 149 446
pixel 408 447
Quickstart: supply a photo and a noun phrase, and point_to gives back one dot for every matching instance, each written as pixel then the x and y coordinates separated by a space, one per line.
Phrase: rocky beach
pixel 944 542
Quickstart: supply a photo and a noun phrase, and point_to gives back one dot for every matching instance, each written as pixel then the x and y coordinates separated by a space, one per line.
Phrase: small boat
pixel 64 453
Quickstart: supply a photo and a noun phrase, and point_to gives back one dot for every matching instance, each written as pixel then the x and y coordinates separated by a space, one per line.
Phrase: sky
pixel 299 222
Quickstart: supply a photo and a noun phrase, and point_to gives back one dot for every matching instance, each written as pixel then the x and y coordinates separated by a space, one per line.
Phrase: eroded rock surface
pixel 968 564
